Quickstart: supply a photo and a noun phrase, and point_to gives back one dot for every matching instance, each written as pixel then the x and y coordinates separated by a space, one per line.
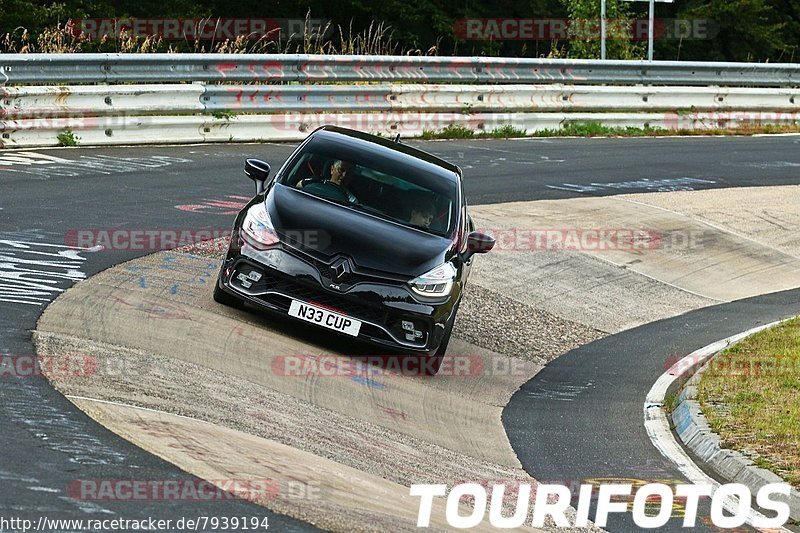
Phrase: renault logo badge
pixel 340 268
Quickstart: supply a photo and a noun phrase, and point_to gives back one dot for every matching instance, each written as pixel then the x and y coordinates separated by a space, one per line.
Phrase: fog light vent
pixel 412 333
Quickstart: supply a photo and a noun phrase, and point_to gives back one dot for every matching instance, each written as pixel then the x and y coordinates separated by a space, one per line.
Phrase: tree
pixel 744 30
pixel 585 43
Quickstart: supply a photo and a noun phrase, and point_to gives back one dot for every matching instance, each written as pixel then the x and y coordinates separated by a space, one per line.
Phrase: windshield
pixel 382 188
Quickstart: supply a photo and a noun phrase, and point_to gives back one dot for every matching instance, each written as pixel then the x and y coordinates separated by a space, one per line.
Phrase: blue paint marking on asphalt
pixel 169 263
pixel 368 382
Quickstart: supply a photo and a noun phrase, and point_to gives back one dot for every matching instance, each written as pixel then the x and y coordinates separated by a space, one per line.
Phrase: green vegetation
pixel 751 396
pixel 670 403
pixel 617 46
pixel 456 131
pixel 67 138
pixel 736 30
pixel 225 114
pixel 507 132
pixel 596 129
pixel 453 131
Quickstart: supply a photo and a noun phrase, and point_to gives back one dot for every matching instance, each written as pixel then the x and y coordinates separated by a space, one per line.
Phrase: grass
pixel 506 132
pixel 751 396
pixel 456 131
pixel 453 131
pixel 596 129
pixel 377 39
pixel 225 114
pixel 68 138
pixel 671 402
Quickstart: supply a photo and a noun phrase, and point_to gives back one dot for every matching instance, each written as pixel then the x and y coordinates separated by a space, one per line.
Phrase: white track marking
pixel 657 425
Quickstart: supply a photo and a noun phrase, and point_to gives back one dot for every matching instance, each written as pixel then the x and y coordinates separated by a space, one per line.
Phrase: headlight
pixel 435 283
pixel 258 226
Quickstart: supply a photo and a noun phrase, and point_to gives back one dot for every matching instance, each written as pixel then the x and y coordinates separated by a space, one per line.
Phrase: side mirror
pixel 478 243
pixel 258 171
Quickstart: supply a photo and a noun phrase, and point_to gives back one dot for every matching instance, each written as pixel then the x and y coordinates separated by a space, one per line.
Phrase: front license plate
pixel 325 318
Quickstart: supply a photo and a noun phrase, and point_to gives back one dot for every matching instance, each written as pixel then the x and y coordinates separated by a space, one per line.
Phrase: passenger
pixel 422 213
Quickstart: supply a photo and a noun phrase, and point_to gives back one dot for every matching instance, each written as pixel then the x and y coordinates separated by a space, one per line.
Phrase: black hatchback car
pixel 358 234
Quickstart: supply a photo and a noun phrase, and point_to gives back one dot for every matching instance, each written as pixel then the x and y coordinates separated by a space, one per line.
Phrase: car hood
pixel 326 229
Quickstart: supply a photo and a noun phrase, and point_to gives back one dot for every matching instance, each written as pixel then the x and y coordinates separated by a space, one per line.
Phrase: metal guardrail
pixel 245 97
pixel 102 100
pixel 111 130
pixel 144 68
pixel 115 130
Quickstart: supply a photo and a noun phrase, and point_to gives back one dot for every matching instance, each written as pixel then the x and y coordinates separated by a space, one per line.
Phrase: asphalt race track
pixel 595 432
pixel 580 417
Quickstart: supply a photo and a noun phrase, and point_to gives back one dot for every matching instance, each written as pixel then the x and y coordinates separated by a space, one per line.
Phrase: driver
pixel 342 173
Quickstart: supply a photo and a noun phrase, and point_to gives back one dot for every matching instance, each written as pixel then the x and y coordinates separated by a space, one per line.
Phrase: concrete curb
pixel 695 433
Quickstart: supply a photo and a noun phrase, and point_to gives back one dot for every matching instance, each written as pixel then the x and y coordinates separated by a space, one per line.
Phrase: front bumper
pixel 385 309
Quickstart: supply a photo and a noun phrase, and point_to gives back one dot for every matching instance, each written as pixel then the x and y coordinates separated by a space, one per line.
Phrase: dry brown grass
pixel 751 397
pixel 62 39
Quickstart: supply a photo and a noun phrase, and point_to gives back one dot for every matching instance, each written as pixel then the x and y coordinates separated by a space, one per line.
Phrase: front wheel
pixel 224 298
pixel 433 365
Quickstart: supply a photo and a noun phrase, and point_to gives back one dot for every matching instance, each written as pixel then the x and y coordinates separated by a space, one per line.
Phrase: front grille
pixel 357 276
pixel 275 282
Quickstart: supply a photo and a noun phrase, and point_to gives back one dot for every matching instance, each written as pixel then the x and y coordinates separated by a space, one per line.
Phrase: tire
pixel 224 298
pixel 432 366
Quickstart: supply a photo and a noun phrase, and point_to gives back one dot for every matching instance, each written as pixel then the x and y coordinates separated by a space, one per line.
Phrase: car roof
pixel 369 142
